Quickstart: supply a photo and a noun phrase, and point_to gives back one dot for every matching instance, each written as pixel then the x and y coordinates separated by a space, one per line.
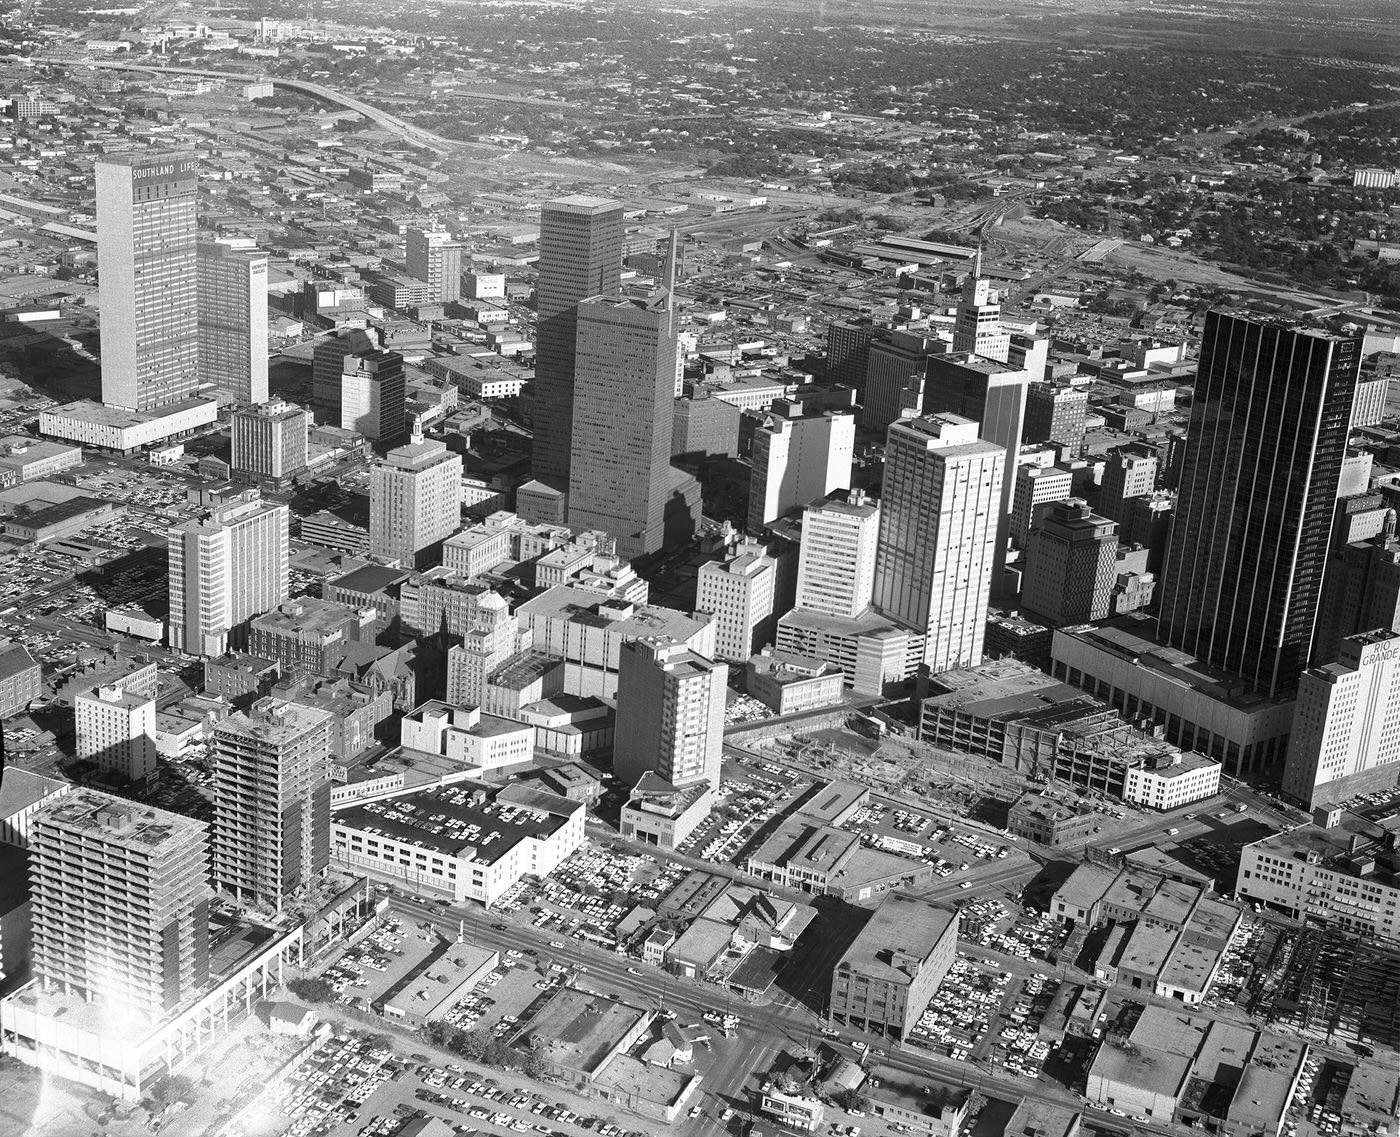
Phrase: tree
pixel 312 989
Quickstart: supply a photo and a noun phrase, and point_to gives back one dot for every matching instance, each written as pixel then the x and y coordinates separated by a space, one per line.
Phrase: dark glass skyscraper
pixel 580 256
pixel 1264 450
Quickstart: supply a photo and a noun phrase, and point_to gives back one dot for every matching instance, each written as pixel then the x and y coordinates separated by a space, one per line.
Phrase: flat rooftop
pixel 902 925
pixel 580 606
pixel 579 1030
pixel 85 410
pixel 83 810
pixel 463 820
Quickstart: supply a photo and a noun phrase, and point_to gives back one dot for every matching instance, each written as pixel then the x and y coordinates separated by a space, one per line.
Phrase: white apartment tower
pixel 939 508
pixel 226 567
pixel 836 562
pixel 670 713
pixel 120 903
pixel 270 440
pixel 739 593
pixel 434 258
pixel 1346 725
pixel 233 321
pixel 116 730
pixel 146 287
pixel 415 500
pixel 798 457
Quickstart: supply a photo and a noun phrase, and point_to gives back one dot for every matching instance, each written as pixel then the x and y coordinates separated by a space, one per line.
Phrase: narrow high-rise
pixel 147 279
pixel 670 713
pixel 1070 566
pixel 373 395
pixel 580 256
pixel 272 800
pixel 939 508
pixel 415 500
pixel 620 475
pixel 434 258
pixel 1242 584
pixel 992 395
pixel 328 365
pixel 233 321
pixel 977 324
pixel 120 903
pixel 225 567
pixel 836 560
pixel 798 456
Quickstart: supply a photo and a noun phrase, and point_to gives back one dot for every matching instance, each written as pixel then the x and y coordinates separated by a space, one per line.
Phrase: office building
pixel 993 395
pixel 232 321
pixel 588 633
pixel 895 369
pixel 115 730
pixel 147 279
pixel 1127 475
pixel 328 366
pixel 225 567
pixel 270 441
pixel 1362 591
pixel 1242 585
pixel 1198 706
pixel 580 256
pixel 1071 565
pixel 885 979
pixel 670 714
pixel 977 326
pixel 306 634
pixel 1346 727
pixel 620 476
pixel 739 593
pixel 490 639
pixel 415 500
pixel 120 904
pixel 373 395
pixel 836 559
pixel 21 679
pixel 434 258
pixel 272 801
pixel 848 352
pixel 798 456
pixel 1340 871
pixel 1037 489
pixel 1055 413
pixel 939 508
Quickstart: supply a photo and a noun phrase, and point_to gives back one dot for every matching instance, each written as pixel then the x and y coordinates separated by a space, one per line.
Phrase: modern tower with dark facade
pixel 580 256
pixel 1268 430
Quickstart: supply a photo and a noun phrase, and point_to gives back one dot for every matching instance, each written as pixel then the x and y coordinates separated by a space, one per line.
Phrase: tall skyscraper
pixel 836 560
pixel 415 500
pixel 373 395
pixel 977 324
pixel 120 903
pixel 1264 450
pixel 328 366
pixel 434 258
pixel 1071 565
pixel 492 637
pixel 670 713
pixel 1362 592
pixel 992 395
pixel 620 475
pixel 272 800
pixel 896 369
pixel 147 279
pixel 580 256
pixel 225 567
pixel 1036 488
pixel 270 440
pixel 233 321
pixel 1055 413
pixel 798 456
pixel 938 528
